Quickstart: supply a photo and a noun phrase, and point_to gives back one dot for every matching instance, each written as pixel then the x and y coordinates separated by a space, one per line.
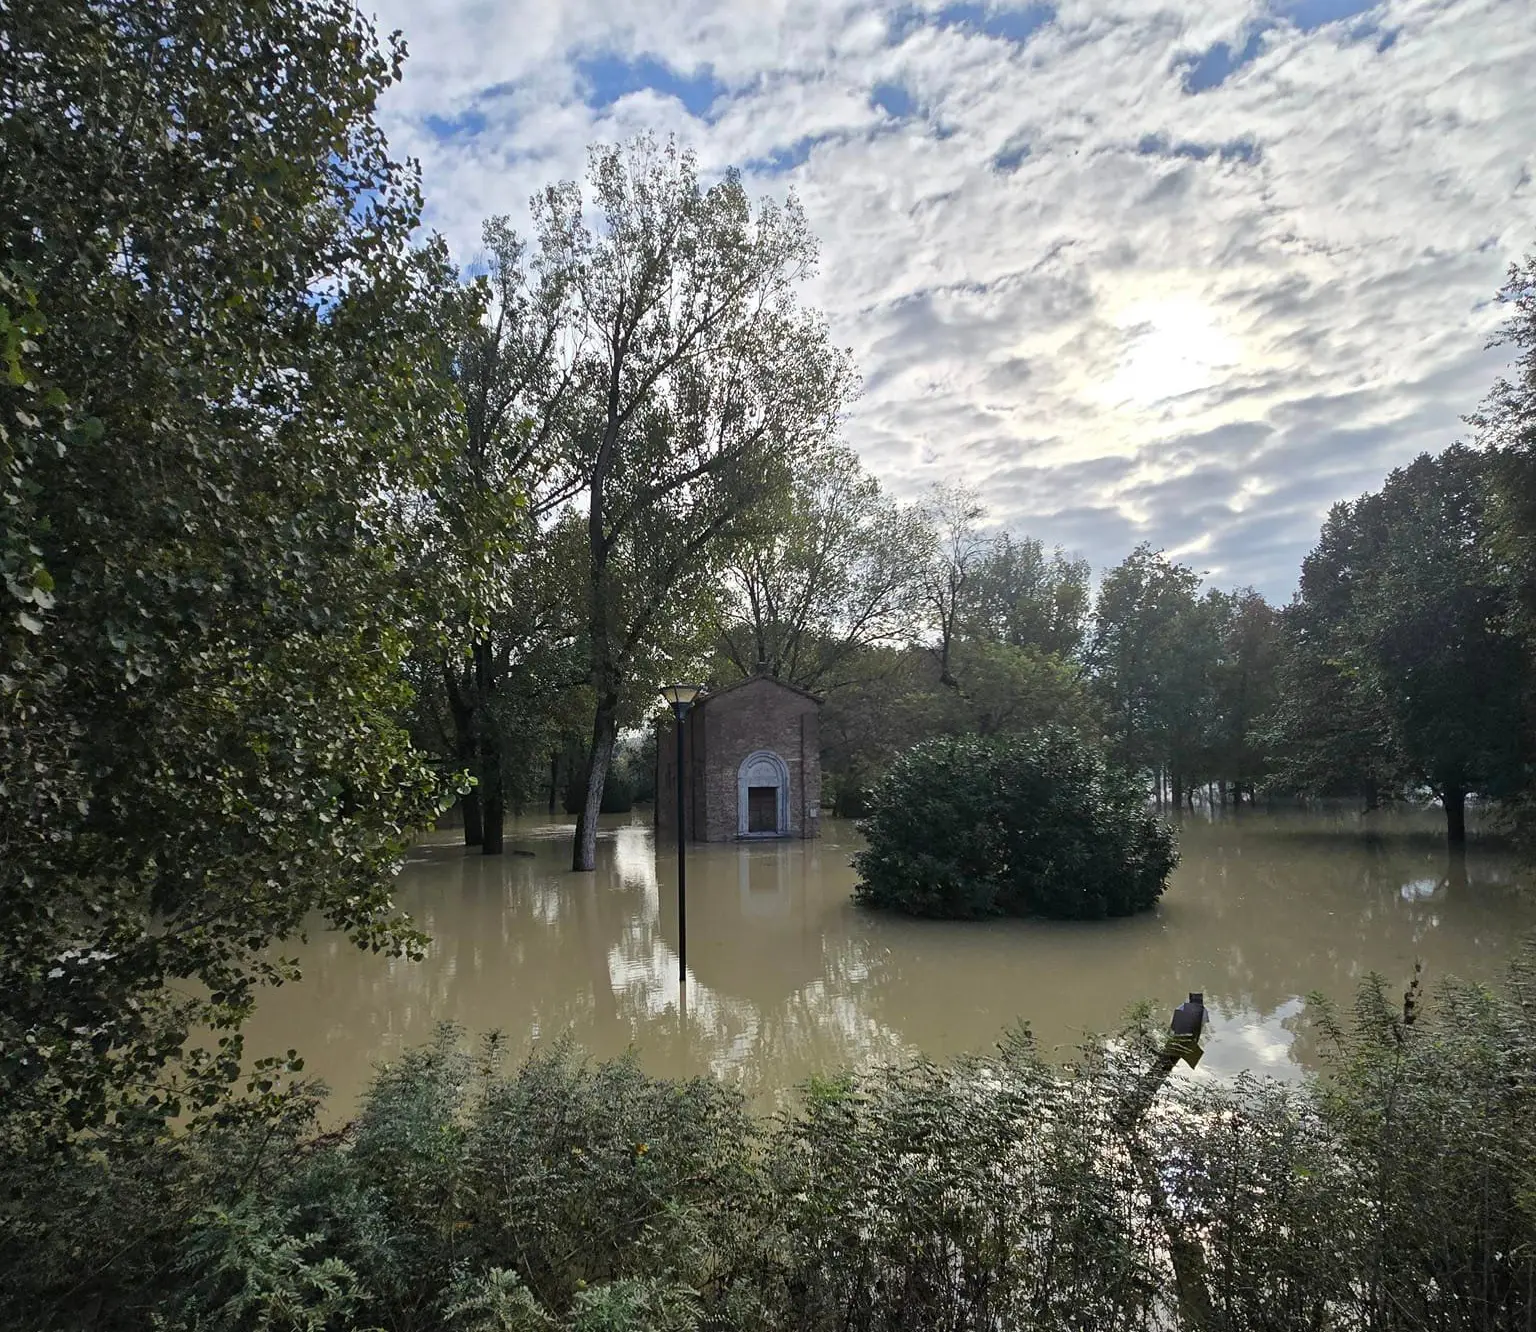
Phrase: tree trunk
pixel 1177 782
pixel 474 832
pixel 492 801
pixel 495 812
pixel 554 780
pixel 1455 800
pixel 461 708
pixel 600 648
pixel 604 733
pixel 488 743
pixel 1185 1251
pixel 1372 796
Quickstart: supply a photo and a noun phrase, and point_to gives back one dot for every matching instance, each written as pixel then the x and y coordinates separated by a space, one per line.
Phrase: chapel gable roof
pixel 759 679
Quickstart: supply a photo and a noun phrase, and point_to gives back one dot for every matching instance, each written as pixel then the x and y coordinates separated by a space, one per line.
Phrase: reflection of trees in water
pixel 767 1003
pixel 789 977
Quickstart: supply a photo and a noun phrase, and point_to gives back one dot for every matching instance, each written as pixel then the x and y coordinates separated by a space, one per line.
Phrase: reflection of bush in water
pixel 996 1192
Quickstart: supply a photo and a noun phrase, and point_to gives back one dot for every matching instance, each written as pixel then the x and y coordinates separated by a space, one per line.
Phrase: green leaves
pixel 839 567
pixel 1025 825
pixel 213 348
pixel 1401 664
pixel 708 381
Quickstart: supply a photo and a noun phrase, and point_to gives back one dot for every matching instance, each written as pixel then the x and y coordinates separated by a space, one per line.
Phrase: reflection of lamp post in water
pixel 681 698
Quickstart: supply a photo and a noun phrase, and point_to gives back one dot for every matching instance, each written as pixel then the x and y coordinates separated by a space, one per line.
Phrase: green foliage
pixel 839 569
pixel 246 1267
pixel 632 777
pixel 222 365
pixel 890 699
pixel 987 1193
pixel 1151 656
pixel 709 379
pixel 1392 1193
pixel 564 1196
pixel 590 1175
pixel 1403 618
pixel 1025 825
pixel 1025 598
pixel 503 685
pixel 1004 689
pixel 1506 426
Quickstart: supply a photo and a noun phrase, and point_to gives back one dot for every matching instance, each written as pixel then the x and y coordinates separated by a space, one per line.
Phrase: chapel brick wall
pixel 720 733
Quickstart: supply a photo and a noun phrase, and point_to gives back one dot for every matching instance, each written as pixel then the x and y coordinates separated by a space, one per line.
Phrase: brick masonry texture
pixel 721 731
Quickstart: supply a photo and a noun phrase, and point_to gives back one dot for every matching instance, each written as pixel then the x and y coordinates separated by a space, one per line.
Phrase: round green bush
pixel 1019 825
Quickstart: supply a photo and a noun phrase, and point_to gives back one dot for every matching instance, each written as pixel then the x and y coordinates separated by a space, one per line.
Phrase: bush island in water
pixel 1392 1193
pixel 1021 825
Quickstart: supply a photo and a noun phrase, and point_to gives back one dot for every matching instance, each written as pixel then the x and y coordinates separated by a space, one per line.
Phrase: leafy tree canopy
pixel 223 375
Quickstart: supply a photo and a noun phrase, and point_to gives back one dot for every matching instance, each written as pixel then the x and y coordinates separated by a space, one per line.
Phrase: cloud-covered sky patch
pixel 1136 269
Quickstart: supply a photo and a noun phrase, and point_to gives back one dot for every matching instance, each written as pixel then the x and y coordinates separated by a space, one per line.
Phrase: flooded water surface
pixel 787 977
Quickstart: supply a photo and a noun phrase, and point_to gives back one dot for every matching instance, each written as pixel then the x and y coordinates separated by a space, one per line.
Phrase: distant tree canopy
pixel 838 570
pixel 1401 666
pixel 1029 824
pixel 1506 426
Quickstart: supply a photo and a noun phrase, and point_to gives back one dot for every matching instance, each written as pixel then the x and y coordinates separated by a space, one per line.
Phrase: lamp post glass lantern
pixel 681 697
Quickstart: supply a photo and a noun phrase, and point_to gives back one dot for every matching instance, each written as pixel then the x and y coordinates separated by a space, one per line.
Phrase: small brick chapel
pixel 752 764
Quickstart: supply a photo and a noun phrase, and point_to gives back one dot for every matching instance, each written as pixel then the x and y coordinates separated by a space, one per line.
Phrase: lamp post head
pixel 681 697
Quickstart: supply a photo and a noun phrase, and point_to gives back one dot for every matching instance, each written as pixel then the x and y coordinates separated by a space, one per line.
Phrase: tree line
pixel 1403 665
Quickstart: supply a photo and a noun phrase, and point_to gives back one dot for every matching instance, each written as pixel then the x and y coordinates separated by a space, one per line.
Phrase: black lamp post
pixel 681 697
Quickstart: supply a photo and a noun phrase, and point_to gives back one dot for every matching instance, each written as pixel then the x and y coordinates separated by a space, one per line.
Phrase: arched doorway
pixel 762 796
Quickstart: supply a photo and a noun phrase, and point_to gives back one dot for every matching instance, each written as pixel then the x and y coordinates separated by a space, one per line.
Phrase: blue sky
pixel 1181 271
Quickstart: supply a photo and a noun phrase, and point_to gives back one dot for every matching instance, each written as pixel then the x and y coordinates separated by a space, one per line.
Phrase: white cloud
pixel 1124 310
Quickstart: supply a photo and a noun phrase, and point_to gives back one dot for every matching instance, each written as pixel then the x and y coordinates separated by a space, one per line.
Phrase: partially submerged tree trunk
pixel 604 733
pixel 492 800
pixel 461 705
pixel 469 802
pixel 1455 800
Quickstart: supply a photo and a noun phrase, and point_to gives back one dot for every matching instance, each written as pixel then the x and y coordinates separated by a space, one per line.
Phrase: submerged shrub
pixel 1020 825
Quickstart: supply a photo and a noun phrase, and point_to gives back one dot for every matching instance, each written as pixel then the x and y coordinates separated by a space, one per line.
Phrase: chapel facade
pixel 752 764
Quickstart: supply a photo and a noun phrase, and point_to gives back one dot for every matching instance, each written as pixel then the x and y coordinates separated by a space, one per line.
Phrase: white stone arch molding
pixel 762 767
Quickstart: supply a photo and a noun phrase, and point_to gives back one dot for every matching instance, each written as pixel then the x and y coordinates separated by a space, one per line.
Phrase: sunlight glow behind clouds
pixel 1123 309
pixel 1175 348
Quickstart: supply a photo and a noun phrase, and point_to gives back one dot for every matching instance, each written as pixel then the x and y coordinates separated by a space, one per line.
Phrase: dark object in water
pixel 1189 1017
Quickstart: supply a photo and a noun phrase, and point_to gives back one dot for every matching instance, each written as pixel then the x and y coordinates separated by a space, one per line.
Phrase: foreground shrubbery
pixel 1005 1192
pixel 1019 825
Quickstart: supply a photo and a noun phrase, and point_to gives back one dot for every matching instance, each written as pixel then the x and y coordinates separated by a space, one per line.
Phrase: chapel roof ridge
pixel 731 688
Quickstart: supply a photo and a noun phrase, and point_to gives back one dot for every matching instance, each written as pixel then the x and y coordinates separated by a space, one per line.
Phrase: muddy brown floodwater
pixel 789 978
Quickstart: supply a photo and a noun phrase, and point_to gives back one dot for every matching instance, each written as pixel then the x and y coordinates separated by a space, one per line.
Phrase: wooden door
pixel 762 809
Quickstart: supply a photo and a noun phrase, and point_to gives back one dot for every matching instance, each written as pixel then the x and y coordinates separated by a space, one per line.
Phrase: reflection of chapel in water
pixel 752 767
